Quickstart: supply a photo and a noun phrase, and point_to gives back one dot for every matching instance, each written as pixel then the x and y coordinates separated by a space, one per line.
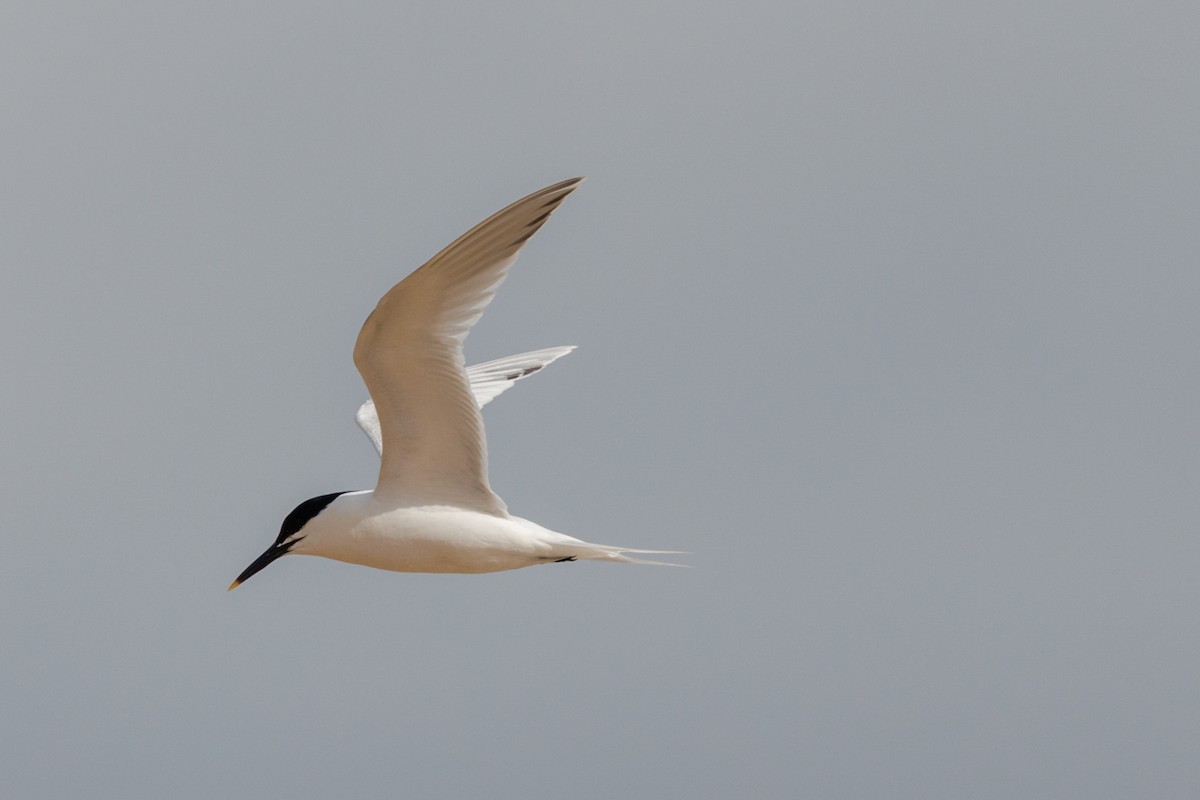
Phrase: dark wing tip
pixel 569 184
pixel 553 196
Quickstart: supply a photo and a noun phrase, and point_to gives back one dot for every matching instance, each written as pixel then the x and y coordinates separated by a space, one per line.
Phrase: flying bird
pixel 432 509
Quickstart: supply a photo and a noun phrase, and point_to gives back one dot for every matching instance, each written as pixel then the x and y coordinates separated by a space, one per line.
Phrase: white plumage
pixel 432 509
pixel 487 380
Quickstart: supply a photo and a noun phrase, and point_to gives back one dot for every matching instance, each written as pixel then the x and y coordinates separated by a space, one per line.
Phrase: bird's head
pixel 291 533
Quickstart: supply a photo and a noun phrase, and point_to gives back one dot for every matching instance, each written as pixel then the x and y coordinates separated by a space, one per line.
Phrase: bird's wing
pixel 409 353
pixel 488 381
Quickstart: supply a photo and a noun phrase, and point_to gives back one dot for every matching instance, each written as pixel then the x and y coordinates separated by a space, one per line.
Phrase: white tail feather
pixel 603 552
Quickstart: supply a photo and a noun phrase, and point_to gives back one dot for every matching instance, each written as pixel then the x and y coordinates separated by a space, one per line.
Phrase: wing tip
pixel 563 188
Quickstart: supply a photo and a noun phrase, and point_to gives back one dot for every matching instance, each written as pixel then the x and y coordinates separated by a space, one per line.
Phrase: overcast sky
pixel 885 312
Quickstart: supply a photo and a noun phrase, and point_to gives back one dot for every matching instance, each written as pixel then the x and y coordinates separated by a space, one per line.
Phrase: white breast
pixel 359 529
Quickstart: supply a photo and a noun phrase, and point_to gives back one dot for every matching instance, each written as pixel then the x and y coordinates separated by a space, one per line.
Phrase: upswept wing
pixel 488 381
pixel 409 353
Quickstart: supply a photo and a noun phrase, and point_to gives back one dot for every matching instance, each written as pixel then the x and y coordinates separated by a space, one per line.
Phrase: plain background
pixel 885 312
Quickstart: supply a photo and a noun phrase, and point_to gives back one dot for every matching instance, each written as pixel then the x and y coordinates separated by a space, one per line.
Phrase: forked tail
pixel 603 552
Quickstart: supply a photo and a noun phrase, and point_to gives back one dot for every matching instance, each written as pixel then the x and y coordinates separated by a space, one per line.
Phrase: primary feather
pixel 410 355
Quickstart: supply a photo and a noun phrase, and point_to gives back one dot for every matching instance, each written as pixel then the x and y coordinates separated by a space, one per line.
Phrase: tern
pixel 432 509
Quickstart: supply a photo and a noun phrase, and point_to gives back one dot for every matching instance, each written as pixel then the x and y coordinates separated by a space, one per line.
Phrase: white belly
pixel 432 539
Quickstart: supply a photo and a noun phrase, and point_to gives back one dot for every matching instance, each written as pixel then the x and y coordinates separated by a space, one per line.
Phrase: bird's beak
pixel 273 552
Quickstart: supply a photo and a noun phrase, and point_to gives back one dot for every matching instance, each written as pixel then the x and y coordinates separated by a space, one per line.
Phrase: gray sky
pixel 886 312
